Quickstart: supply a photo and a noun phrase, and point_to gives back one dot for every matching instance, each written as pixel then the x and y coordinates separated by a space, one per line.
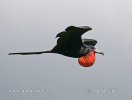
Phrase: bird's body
pixel 74 51
pixel 70 44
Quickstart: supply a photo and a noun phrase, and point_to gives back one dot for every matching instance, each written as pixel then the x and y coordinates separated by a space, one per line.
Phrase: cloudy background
pixel 31 25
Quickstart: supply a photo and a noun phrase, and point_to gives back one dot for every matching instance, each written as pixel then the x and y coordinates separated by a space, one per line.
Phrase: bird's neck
pixel 84 50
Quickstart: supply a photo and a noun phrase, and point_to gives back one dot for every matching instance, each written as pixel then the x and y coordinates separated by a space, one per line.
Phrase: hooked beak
pixel 96 51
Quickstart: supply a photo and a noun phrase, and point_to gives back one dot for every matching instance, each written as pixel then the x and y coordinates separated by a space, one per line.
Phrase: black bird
pixel 70 44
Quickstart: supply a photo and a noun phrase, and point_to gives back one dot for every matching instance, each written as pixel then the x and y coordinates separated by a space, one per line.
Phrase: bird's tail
pixel 30 53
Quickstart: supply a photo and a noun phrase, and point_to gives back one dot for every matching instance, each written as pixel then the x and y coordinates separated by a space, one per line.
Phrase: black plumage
pixel 69 43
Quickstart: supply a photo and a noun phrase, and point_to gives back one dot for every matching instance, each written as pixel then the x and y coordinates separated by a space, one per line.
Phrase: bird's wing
pixel 70 39
pixel 72 35
pixel 89 42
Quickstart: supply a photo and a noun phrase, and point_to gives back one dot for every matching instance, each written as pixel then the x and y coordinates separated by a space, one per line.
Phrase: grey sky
pixel 31 25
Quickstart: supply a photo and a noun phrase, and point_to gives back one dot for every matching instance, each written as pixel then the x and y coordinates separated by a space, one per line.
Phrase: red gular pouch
pixel 88 60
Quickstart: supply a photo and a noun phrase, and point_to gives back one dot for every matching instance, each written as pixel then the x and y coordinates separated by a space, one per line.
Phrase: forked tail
pixel 30 53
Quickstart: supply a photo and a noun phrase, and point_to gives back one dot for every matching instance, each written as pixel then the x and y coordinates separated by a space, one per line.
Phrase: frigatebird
pixel 70 43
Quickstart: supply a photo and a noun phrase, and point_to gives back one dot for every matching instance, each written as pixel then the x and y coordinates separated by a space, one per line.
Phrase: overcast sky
pixel 31 25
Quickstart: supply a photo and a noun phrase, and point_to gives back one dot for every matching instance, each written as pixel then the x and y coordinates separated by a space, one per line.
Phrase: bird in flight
pixel 70 43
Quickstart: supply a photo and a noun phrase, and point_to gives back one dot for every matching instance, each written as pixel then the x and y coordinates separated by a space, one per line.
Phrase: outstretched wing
pixel 89 42
pixel 72 35
pixel 70 39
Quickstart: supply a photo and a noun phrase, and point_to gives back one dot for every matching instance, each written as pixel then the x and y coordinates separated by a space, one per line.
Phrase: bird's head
pixel 85 49
pixel 96 51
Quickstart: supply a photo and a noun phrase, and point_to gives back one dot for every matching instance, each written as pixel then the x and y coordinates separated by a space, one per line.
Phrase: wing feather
pixel 71 35
pixel 92 42
pixel 70 40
